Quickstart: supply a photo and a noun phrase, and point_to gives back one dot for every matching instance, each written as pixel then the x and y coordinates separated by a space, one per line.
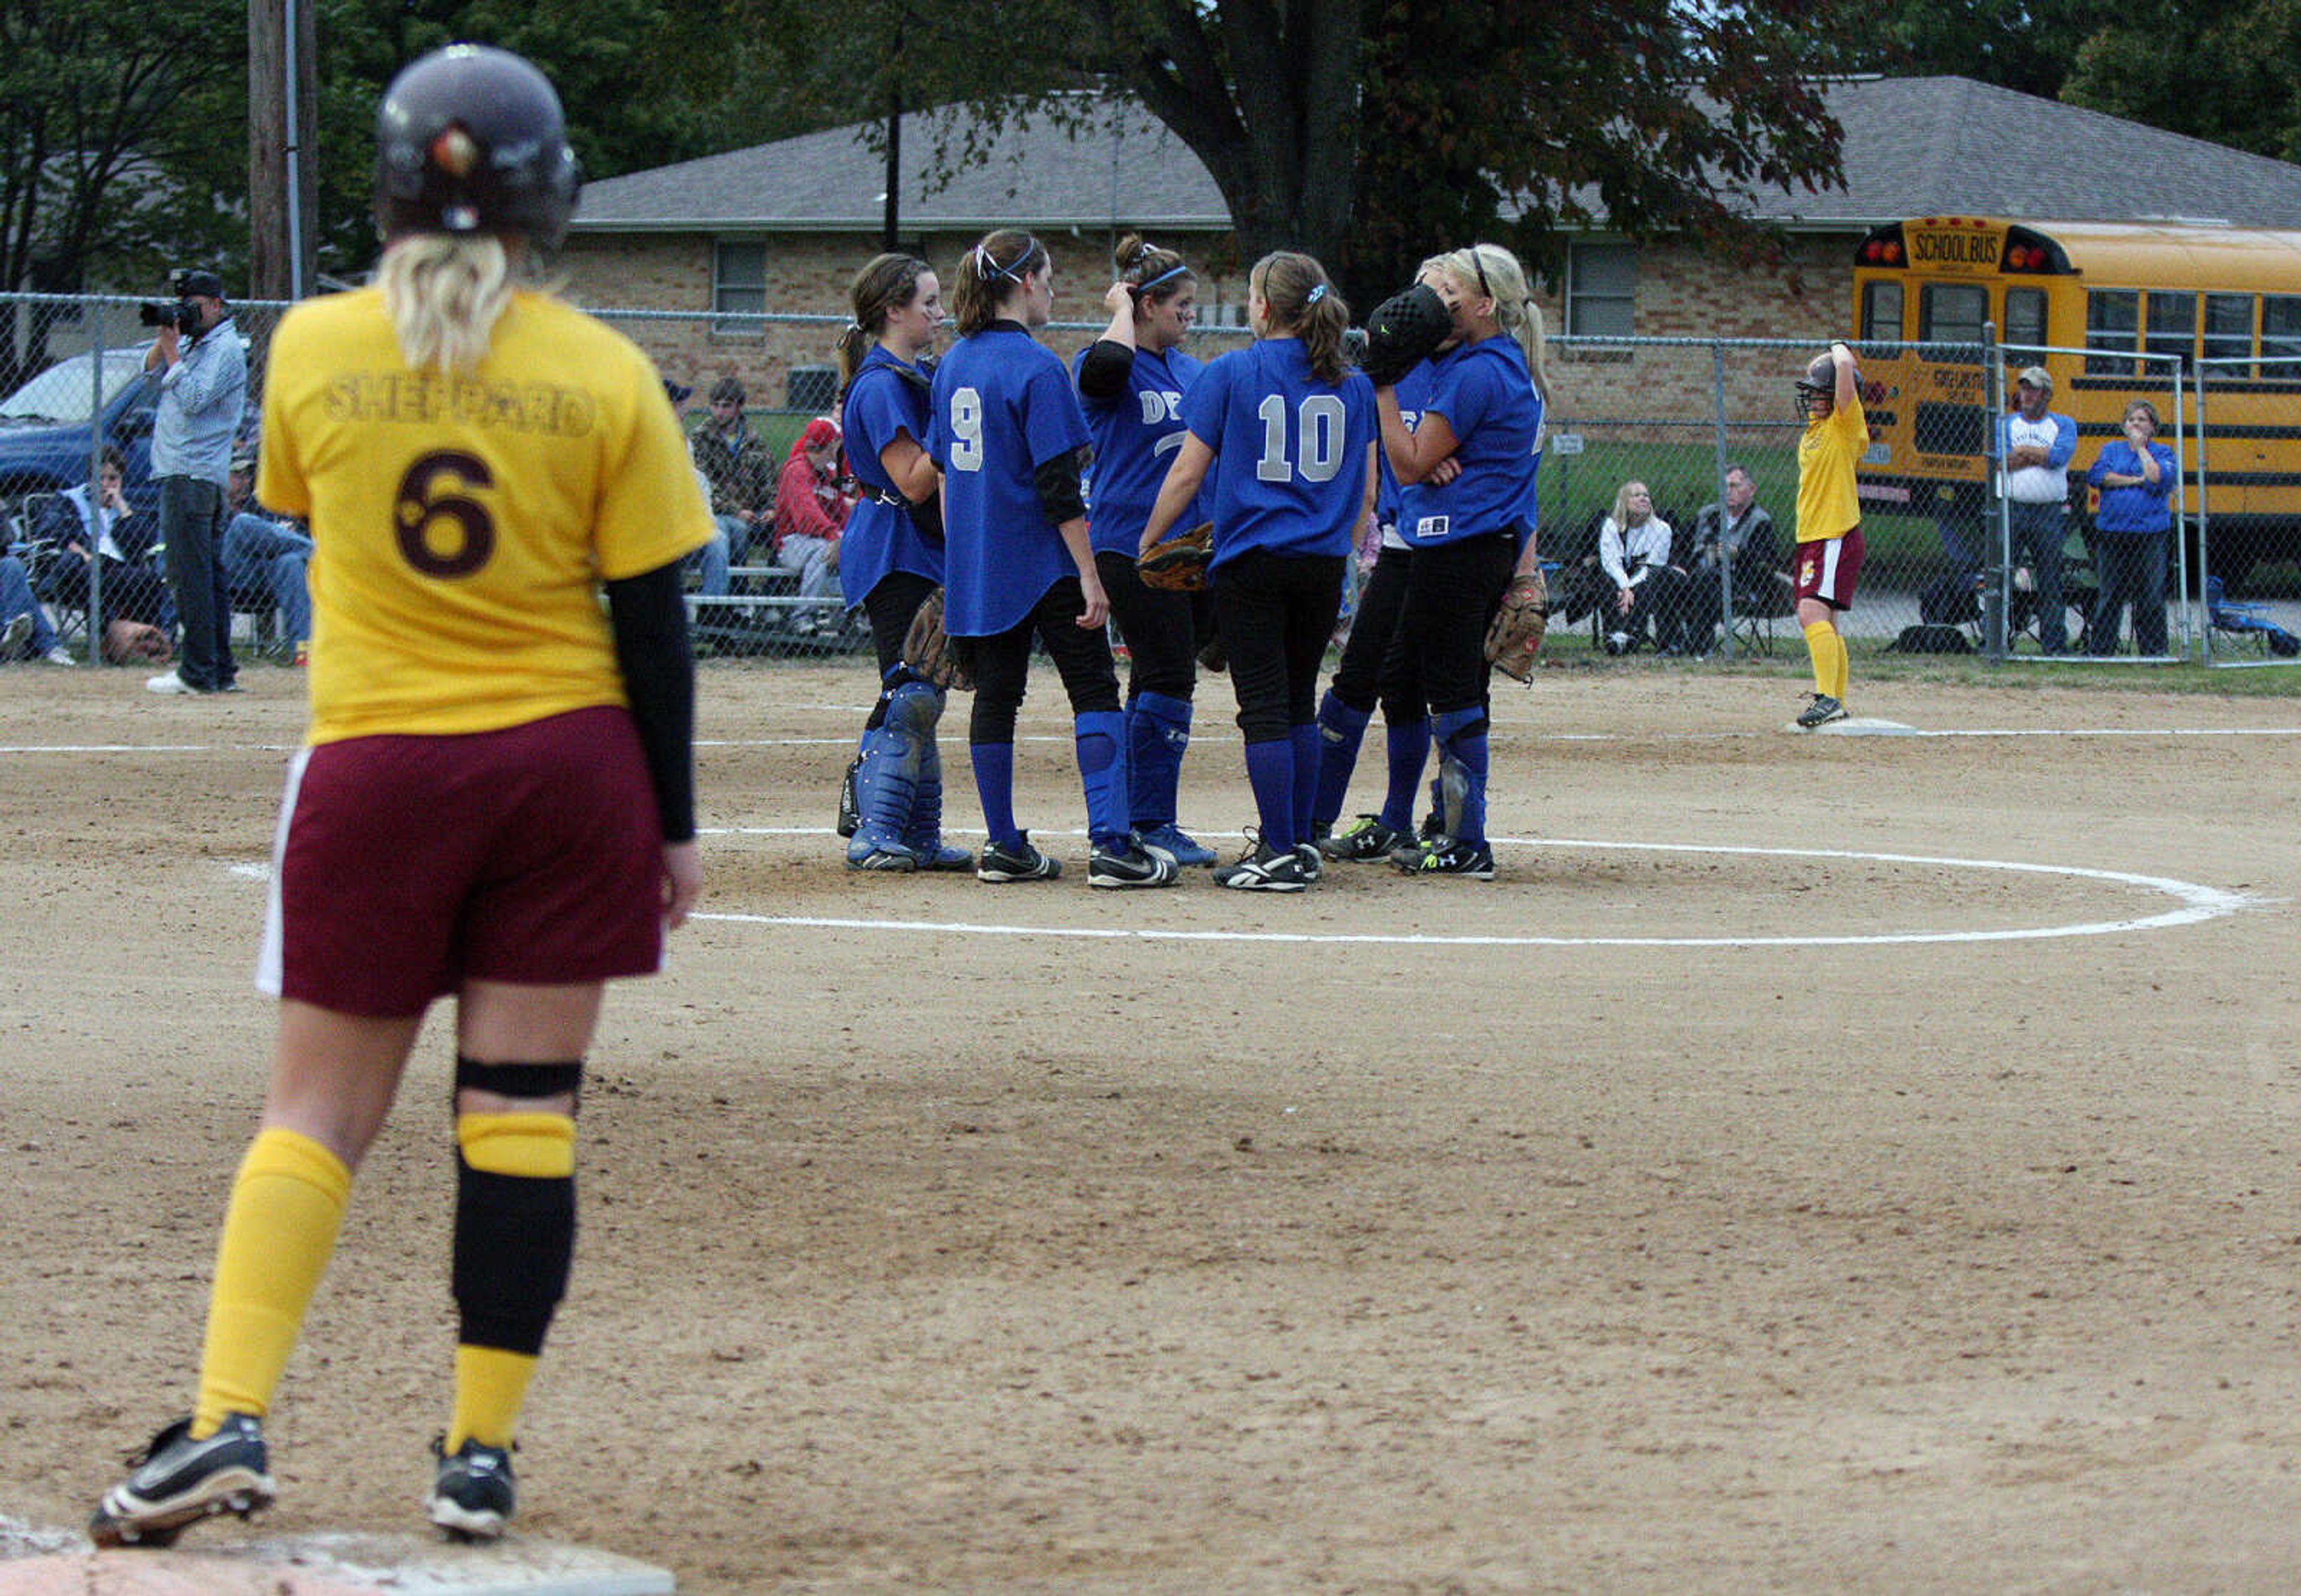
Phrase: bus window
pixel 2280 334
pixel 2229 331
pixel 2172 328
pixel 1881 314
pixel 2112 321
pixel 1952 312
pixel 2025 317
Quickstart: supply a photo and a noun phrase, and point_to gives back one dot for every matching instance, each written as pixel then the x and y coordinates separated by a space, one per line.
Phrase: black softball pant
pixel 1278 613
pixel 1452 591
pixel 1002 664
pixel 1358 676
pixel 1161 634
pixel 890 606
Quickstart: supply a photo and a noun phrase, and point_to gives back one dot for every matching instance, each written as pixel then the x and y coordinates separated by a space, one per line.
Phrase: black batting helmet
pixel 1820 382
pixel 470 140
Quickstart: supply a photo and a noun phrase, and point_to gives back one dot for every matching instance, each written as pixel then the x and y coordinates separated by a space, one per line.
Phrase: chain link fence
pixel 1964 553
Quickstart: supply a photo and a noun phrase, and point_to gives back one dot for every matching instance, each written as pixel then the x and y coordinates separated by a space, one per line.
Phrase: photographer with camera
pixel 202 369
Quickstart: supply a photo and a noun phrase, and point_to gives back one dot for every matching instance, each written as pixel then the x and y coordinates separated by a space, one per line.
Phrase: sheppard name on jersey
pixel 429 397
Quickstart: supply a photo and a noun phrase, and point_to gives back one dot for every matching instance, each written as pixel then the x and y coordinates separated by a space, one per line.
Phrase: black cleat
pixel 1821 709
pixel 1265 869
pixel 473 1494
pixel 1445 856
pixel 178 1481
pixel 1020 864
pixel 1129 863
pixel 1364 841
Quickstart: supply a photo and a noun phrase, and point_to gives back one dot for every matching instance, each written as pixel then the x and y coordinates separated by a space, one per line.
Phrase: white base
pixel 1854 726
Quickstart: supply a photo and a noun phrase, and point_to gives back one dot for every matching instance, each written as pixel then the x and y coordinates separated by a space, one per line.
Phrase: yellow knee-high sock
pixel 279 1232
pixel 1826 650
pixel 491 1389
pixel 1844 661
pixel 538 1152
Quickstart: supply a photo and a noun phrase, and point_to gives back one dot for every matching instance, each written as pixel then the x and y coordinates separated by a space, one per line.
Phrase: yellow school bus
pixel 2116 291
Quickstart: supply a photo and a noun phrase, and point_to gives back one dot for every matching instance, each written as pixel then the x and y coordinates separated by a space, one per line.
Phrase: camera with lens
pixel 181 314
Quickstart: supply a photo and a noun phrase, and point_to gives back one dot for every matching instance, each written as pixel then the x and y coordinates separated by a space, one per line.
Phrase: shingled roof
pixel 1914 147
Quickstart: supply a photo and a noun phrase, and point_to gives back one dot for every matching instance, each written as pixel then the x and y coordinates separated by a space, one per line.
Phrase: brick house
pixel 744 239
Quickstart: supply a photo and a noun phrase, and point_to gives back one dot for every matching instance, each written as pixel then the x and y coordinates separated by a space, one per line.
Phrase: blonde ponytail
pixel 444 294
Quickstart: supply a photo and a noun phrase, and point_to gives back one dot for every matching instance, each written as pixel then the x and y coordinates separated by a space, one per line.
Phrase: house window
pixel 1601 281
pixel 739 287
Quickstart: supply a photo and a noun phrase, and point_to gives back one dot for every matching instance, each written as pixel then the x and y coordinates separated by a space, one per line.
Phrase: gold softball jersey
pixel 1827 504
pixel 462 524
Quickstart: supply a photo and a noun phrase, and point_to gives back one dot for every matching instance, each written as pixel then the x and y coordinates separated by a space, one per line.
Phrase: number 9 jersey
pixel 461 523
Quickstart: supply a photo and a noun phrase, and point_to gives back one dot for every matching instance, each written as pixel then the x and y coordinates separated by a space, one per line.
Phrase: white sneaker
pixel 17 632
pixel 172 684
pixel 60 656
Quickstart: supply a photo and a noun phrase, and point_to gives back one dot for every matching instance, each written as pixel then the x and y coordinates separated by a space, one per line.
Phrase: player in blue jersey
pixel 1358 685
pixel 1288 431
pixel 1007 433
pixel 890 558
pixel 1131 380
pixel 1468 534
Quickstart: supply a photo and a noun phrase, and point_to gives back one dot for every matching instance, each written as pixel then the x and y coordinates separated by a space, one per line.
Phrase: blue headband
pixel 990 267
pixel 1177 270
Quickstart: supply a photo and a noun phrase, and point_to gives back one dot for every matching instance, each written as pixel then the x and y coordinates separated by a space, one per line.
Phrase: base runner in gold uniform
pixel 1828 522
pixel 495 800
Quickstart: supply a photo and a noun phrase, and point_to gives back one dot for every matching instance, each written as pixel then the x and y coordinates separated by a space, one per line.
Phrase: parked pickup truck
pixel 50 426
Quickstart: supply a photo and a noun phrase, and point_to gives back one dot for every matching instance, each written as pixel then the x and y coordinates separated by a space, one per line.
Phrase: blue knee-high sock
pixel 1100 736
pixel 1157 732
pixel 1306 776
pixel 1271 772
pixel 1406 745
pixel 994 787
pixel 1341 730
pixel 1461 733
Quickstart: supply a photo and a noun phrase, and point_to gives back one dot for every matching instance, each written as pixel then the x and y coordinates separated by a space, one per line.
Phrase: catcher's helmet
pixel 470 140
pixel 1820 382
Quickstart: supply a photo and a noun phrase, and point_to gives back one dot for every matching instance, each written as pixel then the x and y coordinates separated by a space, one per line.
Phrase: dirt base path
pixel 1364 1241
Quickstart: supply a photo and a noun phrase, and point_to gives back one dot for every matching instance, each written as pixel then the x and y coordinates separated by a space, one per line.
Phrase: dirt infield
pixel 1681 1212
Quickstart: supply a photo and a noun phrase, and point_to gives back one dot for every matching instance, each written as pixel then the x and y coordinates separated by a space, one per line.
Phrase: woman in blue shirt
pixel 1131 380
pixel 890 558
pixel 1288 429
pixel 1005 428
pixel 1467 532
pixel 2137 476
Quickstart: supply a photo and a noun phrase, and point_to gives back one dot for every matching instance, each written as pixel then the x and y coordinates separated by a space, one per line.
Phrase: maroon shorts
pixel 405 866
pixel 1827 568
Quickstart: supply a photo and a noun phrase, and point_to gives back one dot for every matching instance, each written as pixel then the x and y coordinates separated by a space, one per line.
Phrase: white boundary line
pixel 2198 904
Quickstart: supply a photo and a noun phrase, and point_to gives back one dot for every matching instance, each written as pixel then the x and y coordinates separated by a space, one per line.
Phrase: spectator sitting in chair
pixel 25 630
pixel 735 460
pixel 267 557
pixel 1634 552
pixel 1737 537
pixel 138 614
pixel 811 508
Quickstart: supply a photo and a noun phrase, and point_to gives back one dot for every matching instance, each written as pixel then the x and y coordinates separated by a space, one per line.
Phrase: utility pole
pixel 282 175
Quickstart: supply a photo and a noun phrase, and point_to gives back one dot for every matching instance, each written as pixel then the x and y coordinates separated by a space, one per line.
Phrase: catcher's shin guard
pixel 1158 732
pixel 887 786
pixel 1102 741
pixel 1461 735
pixel 1341 730
pixel 922 835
